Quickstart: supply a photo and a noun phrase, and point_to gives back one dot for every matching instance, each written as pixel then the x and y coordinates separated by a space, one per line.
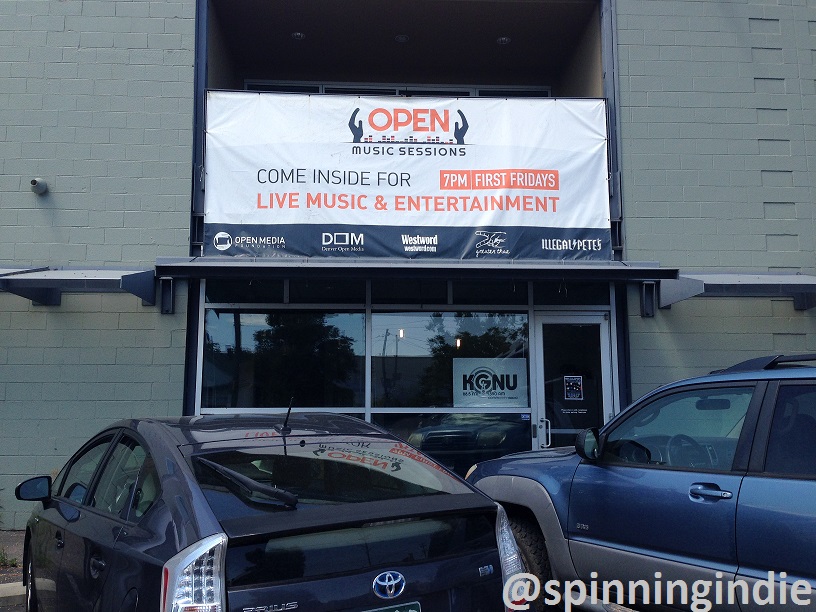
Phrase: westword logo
pixel 418 239
pixel 418 243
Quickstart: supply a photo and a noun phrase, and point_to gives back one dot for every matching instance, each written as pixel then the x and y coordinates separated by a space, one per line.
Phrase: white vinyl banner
pixel 297 175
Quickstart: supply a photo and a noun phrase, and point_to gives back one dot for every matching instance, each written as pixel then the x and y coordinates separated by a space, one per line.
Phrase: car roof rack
pixel 766 363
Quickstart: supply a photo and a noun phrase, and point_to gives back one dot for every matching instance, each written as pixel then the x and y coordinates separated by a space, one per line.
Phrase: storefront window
pixel 267 359
pixel 452 360
pixel 464 374
pixel 458 440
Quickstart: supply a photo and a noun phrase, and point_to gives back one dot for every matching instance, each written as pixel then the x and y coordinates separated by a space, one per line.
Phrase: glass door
pixel 574 387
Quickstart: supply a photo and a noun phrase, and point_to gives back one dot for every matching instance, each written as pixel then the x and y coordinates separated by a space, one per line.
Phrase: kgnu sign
pixel 484 381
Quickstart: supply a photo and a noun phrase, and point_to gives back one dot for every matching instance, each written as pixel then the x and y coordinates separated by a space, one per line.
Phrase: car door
pixel 776 510
pixel 46 546
pixel 90 540
pixel 660 504
pixel 48 534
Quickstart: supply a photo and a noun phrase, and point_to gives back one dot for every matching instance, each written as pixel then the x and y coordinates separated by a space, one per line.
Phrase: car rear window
pixel 342 471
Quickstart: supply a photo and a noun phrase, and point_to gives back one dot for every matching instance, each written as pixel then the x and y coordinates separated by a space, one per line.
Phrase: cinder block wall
pixel 718 128
pixel 67 372
pixel 96 97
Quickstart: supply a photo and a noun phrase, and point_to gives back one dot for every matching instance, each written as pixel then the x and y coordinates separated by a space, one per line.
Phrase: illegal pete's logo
pixel 409 125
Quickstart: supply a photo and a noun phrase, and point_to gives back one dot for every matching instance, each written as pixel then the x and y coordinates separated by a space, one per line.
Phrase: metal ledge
pixel 280 267
pixel 800 287
pixel 45 286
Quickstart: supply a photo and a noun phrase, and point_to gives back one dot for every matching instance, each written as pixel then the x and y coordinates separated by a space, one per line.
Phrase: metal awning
pixel 800 287
pixel 46 285
pixel 279 267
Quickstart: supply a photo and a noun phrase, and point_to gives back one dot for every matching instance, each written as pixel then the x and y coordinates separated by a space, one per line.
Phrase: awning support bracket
pixel 801 288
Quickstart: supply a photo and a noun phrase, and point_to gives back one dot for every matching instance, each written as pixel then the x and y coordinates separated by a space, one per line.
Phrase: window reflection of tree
pixel 302 355
pixel 480 335
pixel 217 378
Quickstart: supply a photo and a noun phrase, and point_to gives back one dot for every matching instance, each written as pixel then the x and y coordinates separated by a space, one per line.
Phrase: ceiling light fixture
pixel 298 35
pixel 503 40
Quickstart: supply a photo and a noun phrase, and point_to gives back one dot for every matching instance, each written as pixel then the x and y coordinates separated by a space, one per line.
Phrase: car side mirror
pixel 587 444
pixel 34 489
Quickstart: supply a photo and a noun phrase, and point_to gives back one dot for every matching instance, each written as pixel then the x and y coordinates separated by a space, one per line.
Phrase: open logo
pixel 409 125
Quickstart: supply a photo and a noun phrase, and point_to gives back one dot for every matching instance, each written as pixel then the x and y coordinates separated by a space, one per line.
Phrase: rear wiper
pixel 253 486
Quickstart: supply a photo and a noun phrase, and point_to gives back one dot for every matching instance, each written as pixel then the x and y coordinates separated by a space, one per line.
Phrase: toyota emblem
pixel 389 585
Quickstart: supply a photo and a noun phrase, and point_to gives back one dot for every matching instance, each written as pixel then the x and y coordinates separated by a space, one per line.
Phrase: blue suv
pixel 701 495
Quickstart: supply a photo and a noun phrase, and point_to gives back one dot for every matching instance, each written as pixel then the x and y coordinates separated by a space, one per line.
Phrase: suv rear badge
pixel 389 585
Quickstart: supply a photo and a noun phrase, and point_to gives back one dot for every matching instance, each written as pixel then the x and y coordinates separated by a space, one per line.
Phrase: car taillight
pixel 193 580
pixel 509 555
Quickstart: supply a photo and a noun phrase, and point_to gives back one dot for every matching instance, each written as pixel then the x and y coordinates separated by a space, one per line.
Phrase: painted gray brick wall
pixel 700 335
pixel 718 137
pixel 717 100
pixel 67 372
pixel 96 97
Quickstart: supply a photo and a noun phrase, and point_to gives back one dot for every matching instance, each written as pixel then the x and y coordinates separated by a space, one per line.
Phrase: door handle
pixel 98 565
pixel 712 492
pixel 546 427
pixel 59 540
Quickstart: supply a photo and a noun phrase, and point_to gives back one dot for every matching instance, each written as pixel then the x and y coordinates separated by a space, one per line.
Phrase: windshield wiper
pixel 250 485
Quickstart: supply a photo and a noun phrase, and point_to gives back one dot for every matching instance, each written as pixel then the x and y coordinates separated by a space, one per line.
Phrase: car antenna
pixel 286 430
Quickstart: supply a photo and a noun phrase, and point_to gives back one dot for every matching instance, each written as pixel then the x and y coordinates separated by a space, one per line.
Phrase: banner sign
pixel 290 175
pixel 490 382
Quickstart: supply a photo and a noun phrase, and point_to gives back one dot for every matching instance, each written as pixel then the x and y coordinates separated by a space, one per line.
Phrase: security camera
pixel 39 186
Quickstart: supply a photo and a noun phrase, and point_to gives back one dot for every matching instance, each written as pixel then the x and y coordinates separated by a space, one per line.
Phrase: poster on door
pixel 479 383
pixel 290 175
pixel 573 388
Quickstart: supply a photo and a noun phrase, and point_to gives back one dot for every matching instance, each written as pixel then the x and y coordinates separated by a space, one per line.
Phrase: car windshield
pixel 343 470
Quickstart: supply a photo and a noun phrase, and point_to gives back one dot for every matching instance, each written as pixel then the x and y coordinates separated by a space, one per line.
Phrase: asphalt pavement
pixel 12 592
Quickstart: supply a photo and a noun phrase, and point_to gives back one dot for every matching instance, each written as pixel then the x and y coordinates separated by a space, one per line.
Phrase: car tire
pixel 31 591
pixel 533 551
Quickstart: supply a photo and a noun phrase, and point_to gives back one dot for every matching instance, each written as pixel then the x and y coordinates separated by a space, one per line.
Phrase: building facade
pixel 116 300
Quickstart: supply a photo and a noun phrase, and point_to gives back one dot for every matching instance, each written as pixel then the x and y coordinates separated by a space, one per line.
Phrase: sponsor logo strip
pixel 495 243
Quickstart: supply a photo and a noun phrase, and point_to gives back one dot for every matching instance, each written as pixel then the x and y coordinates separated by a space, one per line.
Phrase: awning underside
pixel 235 267
pixel 45 285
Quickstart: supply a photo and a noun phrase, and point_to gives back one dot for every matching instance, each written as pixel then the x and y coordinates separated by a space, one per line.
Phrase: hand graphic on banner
pixel 459 132
pixel 356 128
